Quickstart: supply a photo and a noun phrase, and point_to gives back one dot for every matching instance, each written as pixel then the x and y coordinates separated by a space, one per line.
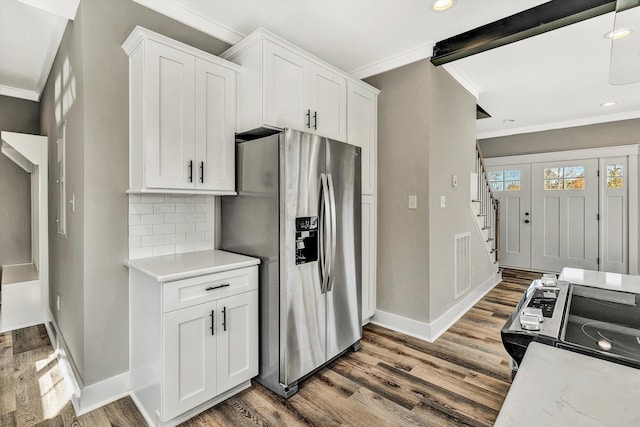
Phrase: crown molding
pixel 64 8
pixel 193 19
pixel 414 54
pixel 16 92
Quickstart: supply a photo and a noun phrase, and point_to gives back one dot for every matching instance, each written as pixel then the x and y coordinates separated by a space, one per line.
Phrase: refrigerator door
pixel 344 308
pixel 302 303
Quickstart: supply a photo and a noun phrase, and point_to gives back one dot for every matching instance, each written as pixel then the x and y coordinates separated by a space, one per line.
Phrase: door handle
pixel 224 319
pixel 333 231
pixel 315 120
pixel 212 322
pixel 190 170
pixel 309 119
pixel 324 214
pixel 202 172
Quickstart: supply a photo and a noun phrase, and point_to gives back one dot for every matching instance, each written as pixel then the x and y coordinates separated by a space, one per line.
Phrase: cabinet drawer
pixel 188 292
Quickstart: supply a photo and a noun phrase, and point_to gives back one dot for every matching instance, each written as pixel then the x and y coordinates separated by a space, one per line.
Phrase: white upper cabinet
pixel 183 108
pixel 285 86
pixel 362 112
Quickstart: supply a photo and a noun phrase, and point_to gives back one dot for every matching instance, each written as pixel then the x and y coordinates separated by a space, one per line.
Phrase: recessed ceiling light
pixel 442 5
pixel 508 121
pixel 608 104
pixel 618 34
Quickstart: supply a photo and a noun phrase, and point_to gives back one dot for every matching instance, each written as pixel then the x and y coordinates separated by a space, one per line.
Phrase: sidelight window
pixel 615 174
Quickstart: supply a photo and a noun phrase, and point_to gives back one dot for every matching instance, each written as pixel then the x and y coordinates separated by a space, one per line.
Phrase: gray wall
pixel 592 136
pixel 426 133
pixel 16 115
pixel 100 29
pixel 403 156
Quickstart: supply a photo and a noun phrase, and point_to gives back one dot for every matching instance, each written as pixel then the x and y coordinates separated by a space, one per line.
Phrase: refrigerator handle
pixel 324 214
pixel 333 232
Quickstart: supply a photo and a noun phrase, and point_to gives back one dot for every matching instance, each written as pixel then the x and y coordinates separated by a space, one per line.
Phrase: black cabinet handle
pixel 201 172
pixel 190 170
pixel 526 221
pixel 526 213
pixel 315 120
pixel 212 322
pixel 210 288
pixel 224 319
pixel 308 119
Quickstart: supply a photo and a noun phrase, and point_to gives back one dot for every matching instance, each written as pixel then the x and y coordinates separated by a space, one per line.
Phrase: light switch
pixel 413 202
pixel 443 201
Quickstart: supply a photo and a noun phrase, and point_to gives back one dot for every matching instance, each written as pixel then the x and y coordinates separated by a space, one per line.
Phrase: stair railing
pixel 489 205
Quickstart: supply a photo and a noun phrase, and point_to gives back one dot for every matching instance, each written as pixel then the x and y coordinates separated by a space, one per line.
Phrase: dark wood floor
pixel 394 380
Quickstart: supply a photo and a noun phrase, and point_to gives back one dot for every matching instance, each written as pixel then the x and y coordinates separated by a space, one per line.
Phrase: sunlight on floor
pixel 53 393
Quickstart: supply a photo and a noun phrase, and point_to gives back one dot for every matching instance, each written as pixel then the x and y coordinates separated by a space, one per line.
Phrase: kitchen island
pixel 560 387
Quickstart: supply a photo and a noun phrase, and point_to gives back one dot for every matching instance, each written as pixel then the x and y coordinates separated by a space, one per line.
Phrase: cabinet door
pixel 285 88
pixel 328 103
pixel 238 339
pixel 189 358
pixel 362 131
pixel 215 126
pixel 169 109
pixel 368 256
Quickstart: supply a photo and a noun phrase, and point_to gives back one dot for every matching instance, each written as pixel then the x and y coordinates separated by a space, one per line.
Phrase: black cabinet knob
pixel 526 221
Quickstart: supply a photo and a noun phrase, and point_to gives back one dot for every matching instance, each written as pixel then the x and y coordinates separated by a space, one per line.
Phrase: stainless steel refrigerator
pixel 298 209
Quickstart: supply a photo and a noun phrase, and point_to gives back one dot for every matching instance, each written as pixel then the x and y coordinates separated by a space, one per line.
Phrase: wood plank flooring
pixel 394 380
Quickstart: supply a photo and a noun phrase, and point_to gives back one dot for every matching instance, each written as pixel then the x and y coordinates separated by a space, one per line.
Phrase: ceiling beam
pixel 531 22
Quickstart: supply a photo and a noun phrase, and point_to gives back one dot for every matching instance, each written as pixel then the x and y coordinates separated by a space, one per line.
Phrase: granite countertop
pixel 601 279
pixel 560 387
pixel 168 268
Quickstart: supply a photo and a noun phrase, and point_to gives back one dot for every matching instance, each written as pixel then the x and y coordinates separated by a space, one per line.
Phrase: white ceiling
pixel 556 79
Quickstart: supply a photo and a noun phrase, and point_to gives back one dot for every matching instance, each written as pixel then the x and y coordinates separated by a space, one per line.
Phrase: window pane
pixel 614 169
pixel 615 182
pixel 496 186
pixel 512 186
pixel 553 184
pixel 551 173
pixel 574 172
pixel 512 175
pixel 574 184
pixel 495 176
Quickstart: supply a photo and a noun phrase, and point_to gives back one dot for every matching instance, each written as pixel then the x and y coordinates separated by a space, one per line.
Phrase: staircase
pixel 485 207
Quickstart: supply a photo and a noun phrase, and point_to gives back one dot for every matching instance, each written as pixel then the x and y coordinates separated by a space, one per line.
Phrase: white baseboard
pixel 84 398
pixel 431 331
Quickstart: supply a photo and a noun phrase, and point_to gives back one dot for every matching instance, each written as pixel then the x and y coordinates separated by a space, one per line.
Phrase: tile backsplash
pixel 163 224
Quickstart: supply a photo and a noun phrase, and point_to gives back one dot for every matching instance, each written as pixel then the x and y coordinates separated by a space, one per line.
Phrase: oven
pixel 597 322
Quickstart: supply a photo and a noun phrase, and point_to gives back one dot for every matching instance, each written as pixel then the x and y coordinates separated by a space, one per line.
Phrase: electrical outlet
pixel 443 201
pixel 58 302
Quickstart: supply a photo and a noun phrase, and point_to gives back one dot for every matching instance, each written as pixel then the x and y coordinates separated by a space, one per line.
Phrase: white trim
pixel 409 56
pixel 461 78
pixel 47 64
pixel 64 8
pixel 552 156
pixel 19 93
pixel 633 213
pixel 561 124
pixel 432 331
pixel 193 19
pixel 84 398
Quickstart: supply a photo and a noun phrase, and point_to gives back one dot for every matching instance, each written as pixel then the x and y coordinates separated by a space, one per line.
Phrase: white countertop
pixel 556 387
pixel 601 279
pixel 167 268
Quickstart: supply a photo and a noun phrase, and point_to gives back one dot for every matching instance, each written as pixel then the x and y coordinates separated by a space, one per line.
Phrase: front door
pixel 511 184
pixel 564 215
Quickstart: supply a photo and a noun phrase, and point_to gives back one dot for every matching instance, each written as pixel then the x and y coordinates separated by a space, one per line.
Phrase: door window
pixel 564 178
pixel 507 180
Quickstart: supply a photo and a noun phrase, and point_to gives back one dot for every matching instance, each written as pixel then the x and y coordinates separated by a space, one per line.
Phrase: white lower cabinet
pixel 194 342
pixel 368 257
